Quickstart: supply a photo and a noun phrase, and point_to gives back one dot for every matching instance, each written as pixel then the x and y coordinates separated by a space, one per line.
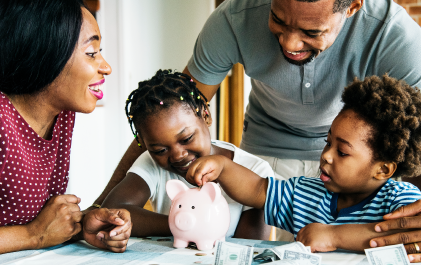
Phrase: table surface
pixel 151 250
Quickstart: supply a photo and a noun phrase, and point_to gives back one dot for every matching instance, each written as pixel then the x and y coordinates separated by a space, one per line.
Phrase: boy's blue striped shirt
pixel 294 203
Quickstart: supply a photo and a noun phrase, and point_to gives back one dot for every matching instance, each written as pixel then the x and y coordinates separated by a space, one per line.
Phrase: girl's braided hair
pixel 393 110
pixel 161 92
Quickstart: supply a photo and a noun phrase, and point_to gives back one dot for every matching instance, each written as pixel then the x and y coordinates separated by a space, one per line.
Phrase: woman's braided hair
pixel 161 92
pixel 393 110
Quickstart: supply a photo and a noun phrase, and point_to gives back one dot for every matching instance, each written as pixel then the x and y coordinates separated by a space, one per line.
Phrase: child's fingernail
pixel 411 258
pixel 377 228
pixel 373 244
pixel 387 215
pixel 118 219
pixel 113 233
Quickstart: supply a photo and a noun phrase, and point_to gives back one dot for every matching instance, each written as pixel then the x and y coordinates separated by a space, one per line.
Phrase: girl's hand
pixel 57 222
pixel 320 237
pixel 107 228
pixel 205 169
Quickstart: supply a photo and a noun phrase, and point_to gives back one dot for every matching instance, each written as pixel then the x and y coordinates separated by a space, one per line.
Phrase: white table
pixel 154 250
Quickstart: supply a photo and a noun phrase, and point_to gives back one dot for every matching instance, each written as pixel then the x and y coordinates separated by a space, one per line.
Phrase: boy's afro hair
pixel 393 109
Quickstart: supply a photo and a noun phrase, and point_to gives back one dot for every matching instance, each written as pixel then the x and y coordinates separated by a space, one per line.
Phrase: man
pixel 299 62
pixel 300 54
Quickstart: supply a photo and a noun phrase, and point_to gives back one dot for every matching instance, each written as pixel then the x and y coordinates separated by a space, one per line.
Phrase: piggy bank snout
pixel 185 221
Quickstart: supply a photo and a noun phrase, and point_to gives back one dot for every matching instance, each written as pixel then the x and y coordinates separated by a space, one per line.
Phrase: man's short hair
pixel 338 6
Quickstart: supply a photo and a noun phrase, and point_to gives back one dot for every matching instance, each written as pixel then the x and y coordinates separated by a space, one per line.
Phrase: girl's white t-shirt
pixel 156 178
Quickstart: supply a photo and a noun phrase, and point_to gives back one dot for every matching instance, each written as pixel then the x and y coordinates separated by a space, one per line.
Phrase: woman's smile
pixel 96 89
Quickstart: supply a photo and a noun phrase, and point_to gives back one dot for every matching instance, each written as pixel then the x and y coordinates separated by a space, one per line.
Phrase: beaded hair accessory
pixel 165 85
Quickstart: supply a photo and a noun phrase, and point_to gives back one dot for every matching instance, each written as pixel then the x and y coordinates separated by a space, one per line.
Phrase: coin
pixel 198 262
pixel 200 254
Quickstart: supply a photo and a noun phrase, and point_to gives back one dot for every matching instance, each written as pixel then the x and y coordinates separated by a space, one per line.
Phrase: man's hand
pixel 107 228
pixel 407 222
pixel 57 222
pixel 205 169
pixel 320 237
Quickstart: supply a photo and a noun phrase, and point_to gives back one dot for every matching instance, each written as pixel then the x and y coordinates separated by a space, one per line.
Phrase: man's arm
pixel 132 153
pixel 399 222
pixel 208 90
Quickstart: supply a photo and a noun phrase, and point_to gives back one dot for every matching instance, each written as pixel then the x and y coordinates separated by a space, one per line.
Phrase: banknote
pixel 296 246
pixel 232 254
pixel 303 257
pixel 390 255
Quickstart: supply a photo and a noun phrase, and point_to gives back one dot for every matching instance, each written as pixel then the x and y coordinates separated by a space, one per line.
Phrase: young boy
pixel 376 135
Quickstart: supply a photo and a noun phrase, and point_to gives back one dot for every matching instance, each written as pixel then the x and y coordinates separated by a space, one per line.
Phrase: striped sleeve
pixel 405 193
pixel 279 203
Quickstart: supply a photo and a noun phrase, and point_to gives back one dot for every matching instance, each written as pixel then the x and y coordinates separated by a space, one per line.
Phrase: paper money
pixel 303 257
pixel 294 253
pixel 295 246
pixel 390 255
pixel 233 254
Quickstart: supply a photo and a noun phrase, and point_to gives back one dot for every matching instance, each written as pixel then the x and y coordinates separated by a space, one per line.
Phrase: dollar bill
pixel 303 257
pixel 232 254
pixel 295 246
pixel 388 255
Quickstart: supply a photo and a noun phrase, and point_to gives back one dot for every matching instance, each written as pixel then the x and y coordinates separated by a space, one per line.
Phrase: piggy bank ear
pixel 174 187
pixel 213 190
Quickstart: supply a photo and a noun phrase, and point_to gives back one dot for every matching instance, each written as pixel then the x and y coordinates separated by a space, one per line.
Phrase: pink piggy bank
pixel 197 215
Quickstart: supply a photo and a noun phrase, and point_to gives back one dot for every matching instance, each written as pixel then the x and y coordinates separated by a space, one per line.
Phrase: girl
pixel 51 67
pixel 169 116
pixel 376 135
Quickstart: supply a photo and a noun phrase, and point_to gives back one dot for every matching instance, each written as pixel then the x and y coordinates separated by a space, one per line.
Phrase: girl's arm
pixel 240 183
pixel 131 154
pixel 252 225
pixel 57 222
pixel 132 193
pixel 323 237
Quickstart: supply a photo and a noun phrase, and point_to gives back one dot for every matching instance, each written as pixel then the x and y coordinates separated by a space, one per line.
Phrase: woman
pixel 50 68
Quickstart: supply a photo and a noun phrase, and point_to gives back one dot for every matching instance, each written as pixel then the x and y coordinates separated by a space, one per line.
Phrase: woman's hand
pixel 404 218
pixel 320 237
pixel 205 169
pixel 57 222
pixel 107 228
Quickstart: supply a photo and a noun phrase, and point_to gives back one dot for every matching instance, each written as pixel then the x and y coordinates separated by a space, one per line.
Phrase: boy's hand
pixel 205 169
pixel 320 237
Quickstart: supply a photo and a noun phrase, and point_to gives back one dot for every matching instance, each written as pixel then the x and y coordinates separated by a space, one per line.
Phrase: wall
pixel 138 38
pixel 413 7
